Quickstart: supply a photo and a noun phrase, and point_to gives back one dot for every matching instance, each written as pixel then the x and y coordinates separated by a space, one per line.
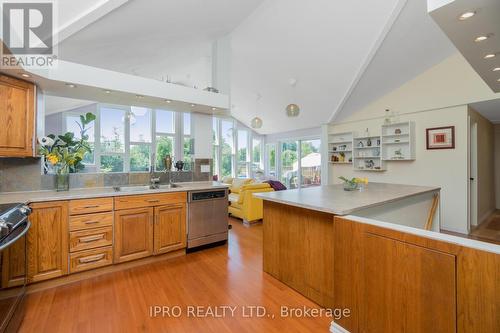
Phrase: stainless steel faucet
pixel 154 180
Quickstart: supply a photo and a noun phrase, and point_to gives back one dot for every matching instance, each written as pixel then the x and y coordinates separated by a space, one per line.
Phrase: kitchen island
pixel 374 253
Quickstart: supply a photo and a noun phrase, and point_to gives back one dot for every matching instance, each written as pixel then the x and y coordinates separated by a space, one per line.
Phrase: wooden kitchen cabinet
pixel 47 241
pixel 17 116
pixel 133 234
pixel 170 228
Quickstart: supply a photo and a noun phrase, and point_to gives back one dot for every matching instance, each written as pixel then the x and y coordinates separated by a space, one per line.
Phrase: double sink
pixel 138 188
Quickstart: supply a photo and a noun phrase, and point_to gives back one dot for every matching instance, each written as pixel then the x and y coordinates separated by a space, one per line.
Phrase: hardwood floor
pixel 227 275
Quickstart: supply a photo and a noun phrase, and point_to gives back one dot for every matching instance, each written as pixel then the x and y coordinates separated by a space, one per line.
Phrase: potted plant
pixel 353 184
pixel 64 154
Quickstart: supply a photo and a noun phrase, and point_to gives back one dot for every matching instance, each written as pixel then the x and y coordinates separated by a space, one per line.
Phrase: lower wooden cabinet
pixel 47 241
pixel 170 228
pixel 89 259
pixel 133 234
pixel 14 264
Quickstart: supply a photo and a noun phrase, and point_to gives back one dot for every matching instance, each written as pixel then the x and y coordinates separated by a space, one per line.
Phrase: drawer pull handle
pixel 89 239
pixel 90 259
pixel 91 222
pixel 153 200
pixel 93 206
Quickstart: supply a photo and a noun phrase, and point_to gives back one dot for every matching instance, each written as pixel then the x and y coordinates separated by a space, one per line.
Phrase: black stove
pixel 11 216
pixel 14 225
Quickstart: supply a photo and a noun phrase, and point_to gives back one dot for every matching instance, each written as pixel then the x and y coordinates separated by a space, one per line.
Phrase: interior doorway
pixel 473 176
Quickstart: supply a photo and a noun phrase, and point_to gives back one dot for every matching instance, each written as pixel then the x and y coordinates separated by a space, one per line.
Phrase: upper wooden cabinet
pixel 170 228
pixel 48 241
pixel 17 116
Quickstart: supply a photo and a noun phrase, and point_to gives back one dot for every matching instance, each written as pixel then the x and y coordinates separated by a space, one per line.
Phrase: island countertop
pixel 333 199
pixel 98 192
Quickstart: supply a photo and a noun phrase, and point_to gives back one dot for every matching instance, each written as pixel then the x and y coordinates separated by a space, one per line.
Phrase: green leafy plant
pixel 66 153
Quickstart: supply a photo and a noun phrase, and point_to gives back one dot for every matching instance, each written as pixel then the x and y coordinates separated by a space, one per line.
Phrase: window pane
pixel 256 157
pixel 242 170
pixel 73 125
pixel 112 130
pixel 215 130
pixel 242 146
pixel 140 157
pixel 186 121
pixel 112 163
pixel 271 159
pixel 289 164
pixel 164 147
pixel 310 162
pixel 165 121
pixel 188 154
pixel 140 124
pixel 227 146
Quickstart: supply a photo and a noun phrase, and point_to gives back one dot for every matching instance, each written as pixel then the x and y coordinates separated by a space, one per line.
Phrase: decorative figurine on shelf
pixel 360 144
pixel 369 164
pixel 376 152
pixel 397 131
pixel 179 165
pixel 378 142
pixel 398 155
pixel 369 142
pixel 168 162
pixel 342 157
pixel 387 117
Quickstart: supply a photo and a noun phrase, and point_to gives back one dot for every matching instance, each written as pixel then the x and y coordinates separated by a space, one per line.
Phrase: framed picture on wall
pixel 441 137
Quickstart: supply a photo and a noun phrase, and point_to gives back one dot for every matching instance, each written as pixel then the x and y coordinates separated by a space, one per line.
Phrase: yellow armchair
pixel 244 205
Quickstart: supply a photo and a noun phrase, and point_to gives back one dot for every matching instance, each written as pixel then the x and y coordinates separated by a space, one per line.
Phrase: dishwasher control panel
pixel 208 195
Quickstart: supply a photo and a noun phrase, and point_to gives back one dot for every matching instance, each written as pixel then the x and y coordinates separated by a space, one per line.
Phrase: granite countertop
pixel 99 192
pixel 333 199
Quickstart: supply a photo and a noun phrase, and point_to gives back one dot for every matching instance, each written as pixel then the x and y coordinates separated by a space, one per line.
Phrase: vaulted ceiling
pixel 343 54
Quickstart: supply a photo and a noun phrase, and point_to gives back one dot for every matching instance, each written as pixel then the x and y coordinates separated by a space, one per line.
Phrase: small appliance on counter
pixel 14 225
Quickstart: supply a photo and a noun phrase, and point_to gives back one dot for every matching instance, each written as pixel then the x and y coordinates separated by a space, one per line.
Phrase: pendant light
pixel 256 121
pixel 292 110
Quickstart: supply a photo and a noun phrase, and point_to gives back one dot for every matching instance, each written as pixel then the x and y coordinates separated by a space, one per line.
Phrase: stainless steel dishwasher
pixel 207 217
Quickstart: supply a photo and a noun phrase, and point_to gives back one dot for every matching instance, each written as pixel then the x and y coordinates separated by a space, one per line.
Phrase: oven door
pixel 13 268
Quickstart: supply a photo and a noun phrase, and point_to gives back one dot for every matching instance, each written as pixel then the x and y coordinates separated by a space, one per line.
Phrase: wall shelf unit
pixel 340 148
pixel 367 153
pixel 398 141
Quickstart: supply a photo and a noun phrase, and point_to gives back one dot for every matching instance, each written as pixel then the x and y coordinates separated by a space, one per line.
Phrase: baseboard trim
pixel 336 328
pixel 76 277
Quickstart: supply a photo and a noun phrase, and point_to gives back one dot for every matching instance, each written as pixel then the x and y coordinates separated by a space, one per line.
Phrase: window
pixel 165 137
pixel 187 141
pixel 227 148
pixel 271 159
pixel 112 146
pixel 72 124
pixel 242 154
pixel 289 165
pixel 257 167
pixel 140 139
pixel 216 145
pixel 310 163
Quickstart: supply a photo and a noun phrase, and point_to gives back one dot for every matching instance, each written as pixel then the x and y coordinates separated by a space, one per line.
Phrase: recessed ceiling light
pixel 107 91
pixel 489 56
pixel 168 101
pixel 496 69
pixel 139 96
pixel 71 85
pixel 466 15
pixel 481 38
pixel 193 105
pixel 214 109
pixel 25 75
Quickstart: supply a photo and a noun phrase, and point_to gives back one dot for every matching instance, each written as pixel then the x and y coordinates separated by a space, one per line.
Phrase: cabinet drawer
pixel 85 260
pixel 85 206
pixel 149 200
pixel 89 221
pixel 90 239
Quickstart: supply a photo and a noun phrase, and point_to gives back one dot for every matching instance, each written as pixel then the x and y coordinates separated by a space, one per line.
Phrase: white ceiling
pixel 485 22
pixel 158 39
pixel 414 44
pixel 489 109
pixel 321 43
pixel 55 104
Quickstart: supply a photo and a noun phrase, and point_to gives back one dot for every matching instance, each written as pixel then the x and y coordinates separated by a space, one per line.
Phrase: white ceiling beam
pixel 88 17
pixel 373 51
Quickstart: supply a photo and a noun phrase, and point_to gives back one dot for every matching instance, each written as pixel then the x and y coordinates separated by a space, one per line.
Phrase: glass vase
pixel 62 178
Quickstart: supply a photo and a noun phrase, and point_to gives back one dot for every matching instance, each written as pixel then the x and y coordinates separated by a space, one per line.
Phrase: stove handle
pixel 21 234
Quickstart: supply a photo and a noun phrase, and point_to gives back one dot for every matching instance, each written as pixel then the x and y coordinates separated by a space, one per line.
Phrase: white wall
pixel 202 133
pixel 314 132
pixel 497 165
pixel 444 168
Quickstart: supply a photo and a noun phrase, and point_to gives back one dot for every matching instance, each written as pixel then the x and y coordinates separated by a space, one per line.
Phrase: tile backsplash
pixel 24 174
